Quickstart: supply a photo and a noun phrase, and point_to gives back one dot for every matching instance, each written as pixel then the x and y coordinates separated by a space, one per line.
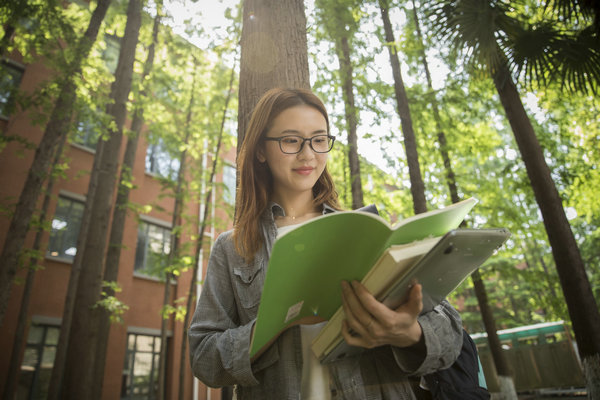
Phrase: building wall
pixel 144 296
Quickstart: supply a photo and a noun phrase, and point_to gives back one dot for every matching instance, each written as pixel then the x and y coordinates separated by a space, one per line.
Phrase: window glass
pixel 161 162
pixel 140 371
pixel 36 334
pixel 87 129
pixel 229 182
pixel 110 55
pixel 152 249
pixel 38 360
pixel 10 79
pixel 65 228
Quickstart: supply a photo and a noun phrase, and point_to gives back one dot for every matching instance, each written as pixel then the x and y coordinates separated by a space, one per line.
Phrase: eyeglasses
pixel 293 144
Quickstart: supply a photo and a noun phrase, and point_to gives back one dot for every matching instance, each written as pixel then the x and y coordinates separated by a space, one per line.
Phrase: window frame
pixel 87 128
pixel 11 65
pixel 46 323
pixel 74 198
pixel 166 241
pixel 152 161
pixel 129 363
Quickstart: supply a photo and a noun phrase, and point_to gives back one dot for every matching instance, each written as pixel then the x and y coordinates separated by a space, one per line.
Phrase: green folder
pixel 309 262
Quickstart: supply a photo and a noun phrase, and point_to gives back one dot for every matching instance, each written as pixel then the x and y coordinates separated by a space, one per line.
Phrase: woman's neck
pixel 296 208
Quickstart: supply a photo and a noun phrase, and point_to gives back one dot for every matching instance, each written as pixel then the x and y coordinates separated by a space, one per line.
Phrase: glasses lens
pixel 291 144
pixel 321 143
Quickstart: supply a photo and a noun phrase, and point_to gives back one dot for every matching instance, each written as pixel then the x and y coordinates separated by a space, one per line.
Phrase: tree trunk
pixel 507 386
pixel 9 31
pixel 57 126
pixel 55 387
pixel 174 253
pixel 501 363
pixel 273 53
pixel 113 256
pixel 581 304
pixel 83 331
pixel 191 297
pixel 14 366
pixel 417 187
pixel 343 53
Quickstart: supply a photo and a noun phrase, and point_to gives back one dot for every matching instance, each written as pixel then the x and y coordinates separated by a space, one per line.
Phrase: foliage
pixel 115 307
pixel 540 47
pixel 521 279
pixel 178 309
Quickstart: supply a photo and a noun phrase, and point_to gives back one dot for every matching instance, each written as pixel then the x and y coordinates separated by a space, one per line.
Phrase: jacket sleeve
pixel 442 342
pixel 219 345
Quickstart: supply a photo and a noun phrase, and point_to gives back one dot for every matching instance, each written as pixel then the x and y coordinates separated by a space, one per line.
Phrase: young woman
pixel 284 181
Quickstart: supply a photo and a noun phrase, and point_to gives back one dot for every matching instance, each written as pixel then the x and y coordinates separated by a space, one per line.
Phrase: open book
pixel 308 263
pixel 438 264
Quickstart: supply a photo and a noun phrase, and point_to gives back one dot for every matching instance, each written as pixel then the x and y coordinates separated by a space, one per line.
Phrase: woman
pixel 284 181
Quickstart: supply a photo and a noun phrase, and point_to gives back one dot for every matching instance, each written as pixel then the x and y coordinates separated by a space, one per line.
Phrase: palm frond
pixel 472 26
pixel 529 50
pixel 576 57
pixel 577 10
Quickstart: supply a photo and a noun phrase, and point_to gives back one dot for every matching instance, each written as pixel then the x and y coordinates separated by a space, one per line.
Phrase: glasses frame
pixel 304 140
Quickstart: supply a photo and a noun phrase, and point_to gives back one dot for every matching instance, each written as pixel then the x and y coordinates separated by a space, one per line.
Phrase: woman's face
pixel 294 174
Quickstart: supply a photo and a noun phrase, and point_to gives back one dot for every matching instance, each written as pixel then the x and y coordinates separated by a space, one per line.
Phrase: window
pixel 110 55
pixel 229 181
pixel 140 372
pixel 10 79
pixel 38 360
pixel 153 247
pixel 159 161
pixel 65 228
pixel 87 130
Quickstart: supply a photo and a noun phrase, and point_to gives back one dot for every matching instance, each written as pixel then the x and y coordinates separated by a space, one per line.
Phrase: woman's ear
pixel 260 155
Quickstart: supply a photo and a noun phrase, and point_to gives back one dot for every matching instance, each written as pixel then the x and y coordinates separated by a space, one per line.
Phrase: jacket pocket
pixel 248 285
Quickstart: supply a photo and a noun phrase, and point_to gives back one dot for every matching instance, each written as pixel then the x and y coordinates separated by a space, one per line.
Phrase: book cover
pixel 309 262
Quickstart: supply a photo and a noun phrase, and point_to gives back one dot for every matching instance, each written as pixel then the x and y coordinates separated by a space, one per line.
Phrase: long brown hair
pixel 255 179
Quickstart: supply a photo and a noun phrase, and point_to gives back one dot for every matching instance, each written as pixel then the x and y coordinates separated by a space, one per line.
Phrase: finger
pixel 357 311
pixel 379 311
pixel 414 304
pixel 358 320
pixel 352 338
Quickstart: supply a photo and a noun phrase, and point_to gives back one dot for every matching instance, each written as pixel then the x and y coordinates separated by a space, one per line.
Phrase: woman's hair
pixel 255 179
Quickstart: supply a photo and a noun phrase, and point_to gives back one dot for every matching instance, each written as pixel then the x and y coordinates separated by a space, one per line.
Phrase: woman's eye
pixel 290 140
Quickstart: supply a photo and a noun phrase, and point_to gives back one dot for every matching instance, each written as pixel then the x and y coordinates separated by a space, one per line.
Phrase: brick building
pixel 132 358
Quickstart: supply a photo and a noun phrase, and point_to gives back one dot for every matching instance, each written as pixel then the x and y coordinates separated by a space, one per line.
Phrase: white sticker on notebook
pixel 293 311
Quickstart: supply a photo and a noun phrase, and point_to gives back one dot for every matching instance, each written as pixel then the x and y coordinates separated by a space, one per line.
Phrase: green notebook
pixel 309 262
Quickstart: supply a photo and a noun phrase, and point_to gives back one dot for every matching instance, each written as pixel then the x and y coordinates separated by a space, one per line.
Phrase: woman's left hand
pixel 369 323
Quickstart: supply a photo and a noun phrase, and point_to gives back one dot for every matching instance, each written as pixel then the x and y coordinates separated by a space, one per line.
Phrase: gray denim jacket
pixel 219 337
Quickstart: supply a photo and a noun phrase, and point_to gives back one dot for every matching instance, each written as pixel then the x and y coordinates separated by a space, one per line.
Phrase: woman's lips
pixel 304 170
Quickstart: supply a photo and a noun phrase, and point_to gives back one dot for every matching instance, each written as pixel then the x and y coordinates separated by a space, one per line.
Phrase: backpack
pixel 461 380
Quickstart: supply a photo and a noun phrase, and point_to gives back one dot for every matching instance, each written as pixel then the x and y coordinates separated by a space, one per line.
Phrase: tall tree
pixel 340 25
pixel 176 228
pixel 191 297
pixel 81 350
pixel 417 187
pixel 113 255
pixel 14 367
pixel 56 127
pixel 485 29
pixel 273 52
pixel 507 386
